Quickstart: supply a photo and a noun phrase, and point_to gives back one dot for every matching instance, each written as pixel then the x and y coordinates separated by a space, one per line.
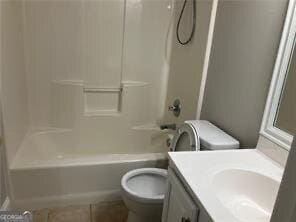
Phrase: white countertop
pixel 197 170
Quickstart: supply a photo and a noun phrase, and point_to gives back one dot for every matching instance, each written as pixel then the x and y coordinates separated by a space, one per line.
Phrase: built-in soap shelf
pixel 133 84
pixel 153 128
pixel 94 100
pixel 149 127
pixel 102 101
pixel 106 101
pixel 92 89
pixel 73 82
pixel 157 136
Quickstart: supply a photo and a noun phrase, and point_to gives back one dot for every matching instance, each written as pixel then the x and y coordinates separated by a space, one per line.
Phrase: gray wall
pixel 246 39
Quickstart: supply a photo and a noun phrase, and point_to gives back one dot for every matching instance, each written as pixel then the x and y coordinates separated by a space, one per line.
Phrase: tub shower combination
pixel 86 87
pixel 88 105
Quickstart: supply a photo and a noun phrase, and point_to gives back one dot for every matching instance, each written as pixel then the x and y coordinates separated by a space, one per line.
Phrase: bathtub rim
pixel 100 159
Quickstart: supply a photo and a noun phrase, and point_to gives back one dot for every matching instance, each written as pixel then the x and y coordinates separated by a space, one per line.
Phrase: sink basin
pixel 232 185
pixel 248 195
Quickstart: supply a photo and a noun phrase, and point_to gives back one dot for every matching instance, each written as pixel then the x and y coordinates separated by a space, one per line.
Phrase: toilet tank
pixel 213 138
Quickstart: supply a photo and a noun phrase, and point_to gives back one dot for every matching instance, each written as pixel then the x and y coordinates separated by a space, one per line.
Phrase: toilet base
pixel 132 217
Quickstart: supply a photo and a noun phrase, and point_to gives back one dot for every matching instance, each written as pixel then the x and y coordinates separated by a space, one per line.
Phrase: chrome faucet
pixel 171 126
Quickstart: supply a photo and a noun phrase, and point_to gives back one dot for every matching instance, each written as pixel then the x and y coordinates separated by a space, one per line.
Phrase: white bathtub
pixel 59 173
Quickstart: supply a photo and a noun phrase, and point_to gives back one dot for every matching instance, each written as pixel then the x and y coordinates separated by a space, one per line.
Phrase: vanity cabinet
pixel 178 204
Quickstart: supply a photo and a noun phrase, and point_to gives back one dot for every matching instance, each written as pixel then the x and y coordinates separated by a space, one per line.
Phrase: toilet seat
pixel 146 185
pixel 191 138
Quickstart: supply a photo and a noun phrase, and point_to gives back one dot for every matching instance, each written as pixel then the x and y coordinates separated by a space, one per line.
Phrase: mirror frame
pixel 281 66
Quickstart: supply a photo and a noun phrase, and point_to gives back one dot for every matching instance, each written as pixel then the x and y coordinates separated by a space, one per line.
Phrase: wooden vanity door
pixel 178 205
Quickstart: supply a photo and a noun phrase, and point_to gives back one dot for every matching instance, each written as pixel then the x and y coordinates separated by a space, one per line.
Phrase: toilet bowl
pixel 143 193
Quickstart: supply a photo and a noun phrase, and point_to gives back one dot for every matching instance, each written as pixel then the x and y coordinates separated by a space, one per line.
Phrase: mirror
pixel 286 110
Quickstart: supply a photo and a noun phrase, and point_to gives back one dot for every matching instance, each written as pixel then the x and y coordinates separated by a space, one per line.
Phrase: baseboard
pixel 6 205
pixel 66 200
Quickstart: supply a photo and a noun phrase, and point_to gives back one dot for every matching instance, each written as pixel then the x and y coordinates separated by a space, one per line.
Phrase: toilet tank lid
pixel 211 137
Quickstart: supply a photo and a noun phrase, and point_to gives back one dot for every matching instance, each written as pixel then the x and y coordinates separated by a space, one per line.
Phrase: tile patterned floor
pixel 102 212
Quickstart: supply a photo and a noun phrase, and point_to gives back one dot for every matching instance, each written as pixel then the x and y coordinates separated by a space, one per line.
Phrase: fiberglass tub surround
pixel 94 102
pixel 97 90
pixel 89 89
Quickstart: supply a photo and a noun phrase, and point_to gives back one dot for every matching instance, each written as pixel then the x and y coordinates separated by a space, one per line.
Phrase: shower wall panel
pixel 146 48
pixel 103 35
pixel 71 41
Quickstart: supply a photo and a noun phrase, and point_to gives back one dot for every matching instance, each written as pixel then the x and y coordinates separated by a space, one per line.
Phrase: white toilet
pixel 143 193
pixel 143 189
